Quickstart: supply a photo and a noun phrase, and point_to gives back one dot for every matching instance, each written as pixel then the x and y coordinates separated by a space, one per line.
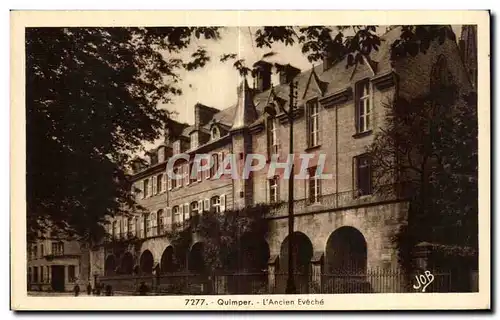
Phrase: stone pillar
pixel 317 270
pixel 272 265
pixel 421 254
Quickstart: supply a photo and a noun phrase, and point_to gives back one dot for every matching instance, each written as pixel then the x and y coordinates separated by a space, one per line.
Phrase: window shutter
pixel 181 213
pixel 141 223
pixel 151 187
pixel 125 225
pixel 153 224
pixel 155 188
pixel 186 211
pixel 222 203
pixel 221 163
pixel 169 182
pixel 206 205
pixel 354 176
pixel 187 178
pixel 168 218
pixel 164 182
pixel 200 206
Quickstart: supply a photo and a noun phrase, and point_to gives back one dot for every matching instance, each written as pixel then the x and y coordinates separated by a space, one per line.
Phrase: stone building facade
pixel 57 265
pixel 339 224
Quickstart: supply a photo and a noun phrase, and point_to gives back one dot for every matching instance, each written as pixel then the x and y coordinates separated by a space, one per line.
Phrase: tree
pixel 222 235
pixel 350 42
pixel 429 143
pixel 91 100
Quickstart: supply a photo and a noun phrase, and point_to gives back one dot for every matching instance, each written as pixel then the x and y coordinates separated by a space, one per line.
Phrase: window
pixel 35 274
pixel 215 165
pixel 192 178
pixel 146 188
pixel 115 229
pixel 194 140
pixel 363 175
pixel 194 208
pixel 130 226
pixel 215 203
pixel 272 131
pixel 159 221
pixel 42 253
pixel 176 215
pixel 363 107
pixel 199 172
pixel 71 274
pixel 313 123
pixel 42 271
pixel 215 133
pixel 314 186
pixel 177 147
pixel 147 225
pixel 30 275
pixel 273 189
pixel 173 181
pixel 159 183
pixel 35 252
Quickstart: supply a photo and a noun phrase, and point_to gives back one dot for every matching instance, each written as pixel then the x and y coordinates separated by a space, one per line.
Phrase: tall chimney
pixel 263 75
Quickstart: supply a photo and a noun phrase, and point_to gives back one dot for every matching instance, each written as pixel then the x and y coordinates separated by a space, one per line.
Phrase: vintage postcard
pixel 211 160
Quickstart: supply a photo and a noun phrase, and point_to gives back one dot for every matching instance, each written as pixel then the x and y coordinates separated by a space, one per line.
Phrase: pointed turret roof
pixel 245 112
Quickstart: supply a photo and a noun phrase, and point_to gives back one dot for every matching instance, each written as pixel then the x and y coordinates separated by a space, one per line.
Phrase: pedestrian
pixel 143 289
pixel 97 289
pixel 77 290
pixel 109 290
pixel 89 289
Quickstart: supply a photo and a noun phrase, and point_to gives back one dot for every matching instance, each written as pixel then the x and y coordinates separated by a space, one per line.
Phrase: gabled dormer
pixel 314 87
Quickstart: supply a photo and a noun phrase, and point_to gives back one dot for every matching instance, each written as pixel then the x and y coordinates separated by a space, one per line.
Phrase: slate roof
pixel 336 78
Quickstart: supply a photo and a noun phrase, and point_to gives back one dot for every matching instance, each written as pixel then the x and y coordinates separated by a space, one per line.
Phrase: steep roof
pixel 249 106
pixel 245 113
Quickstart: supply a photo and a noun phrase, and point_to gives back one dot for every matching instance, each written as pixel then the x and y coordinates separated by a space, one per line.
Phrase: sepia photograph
pixel 282 162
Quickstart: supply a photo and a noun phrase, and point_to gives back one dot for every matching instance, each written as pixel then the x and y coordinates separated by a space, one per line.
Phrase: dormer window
pixel 194 140
pixel 177 147
pixel 215 133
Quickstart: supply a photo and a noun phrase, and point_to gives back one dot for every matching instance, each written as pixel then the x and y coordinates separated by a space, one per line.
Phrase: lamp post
pixel 290 283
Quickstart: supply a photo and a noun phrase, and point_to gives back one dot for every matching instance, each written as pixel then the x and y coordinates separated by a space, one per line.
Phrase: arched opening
pixel 110 265
pixel 146 262
pixel 250 262
pixel 253 253
pixel 346 252
pixel 127 265
pixel 167 263
pixel 196 261
pixel 302 252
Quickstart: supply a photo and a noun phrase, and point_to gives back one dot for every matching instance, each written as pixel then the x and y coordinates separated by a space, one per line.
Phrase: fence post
pixel 271 272
pixel 316 264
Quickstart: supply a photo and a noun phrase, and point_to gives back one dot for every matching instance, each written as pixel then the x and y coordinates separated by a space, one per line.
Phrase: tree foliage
pixel 430 144
pixel 222 235
pixel 350 42
pixel 91 100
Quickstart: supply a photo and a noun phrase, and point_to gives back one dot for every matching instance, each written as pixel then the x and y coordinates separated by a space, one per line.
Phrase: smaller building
pixel 57 265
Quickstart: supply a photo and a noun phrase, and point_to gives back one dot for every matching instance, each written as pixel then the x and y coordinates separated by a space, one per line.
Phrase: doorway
pixel 57 278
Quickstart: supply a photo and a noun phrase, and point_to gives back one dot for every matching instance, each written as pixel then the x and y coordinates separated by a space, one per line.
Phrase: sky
pixel 215 84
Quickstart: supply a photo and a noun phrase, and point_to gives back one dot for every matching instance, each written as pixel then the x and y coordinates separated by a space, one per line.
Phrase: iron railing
pixel 371 281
